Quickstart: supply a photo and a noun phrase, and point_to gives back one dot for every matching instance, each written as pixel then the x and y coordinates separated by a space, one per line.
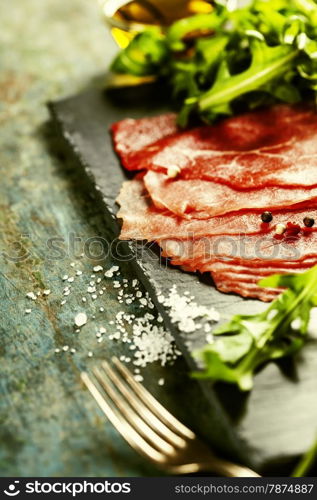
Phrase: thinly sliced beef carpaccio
pixel 269 147
pixel 204 199
pixel 205 212
pixel 248 290
pixel 132 136
pixel 224 266
pixel 143 221
pixel 256 249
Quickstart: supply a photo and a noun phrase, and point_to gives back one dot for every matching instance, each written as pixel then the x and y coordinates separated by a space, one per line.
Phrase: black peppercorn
pixel 308 221
pixel 266 217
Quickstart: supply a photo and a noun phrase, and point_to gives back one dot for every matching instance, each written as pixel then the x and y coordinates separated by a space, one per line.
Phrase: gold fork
pixel 149 428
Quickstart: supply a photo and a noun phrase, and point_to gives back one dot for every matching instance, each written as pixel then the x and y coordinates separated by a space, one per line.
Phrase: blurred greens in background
pixel 231 58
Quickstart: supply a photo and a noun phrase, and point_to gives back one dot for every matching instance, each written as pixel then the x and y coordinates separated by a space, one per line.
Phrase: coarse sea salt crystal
pixel 97 269
pixel 31 295
pixel 80 319
pixel 46 292
pixel 28 311
pixel 184 311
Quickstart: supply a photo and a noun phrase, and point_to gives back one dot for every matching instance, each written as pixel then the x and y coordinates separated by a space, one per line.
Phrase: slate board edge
pixel 235 446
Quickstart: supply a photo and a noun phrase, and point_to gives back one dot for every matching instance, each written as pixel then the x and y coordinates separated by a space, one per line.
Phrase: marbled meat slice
pixel 268 147
pixel 245 267
pixel 254 249
pixel 131 136
pixel 141 220
pixel 238 276
pixel 247 290
pixel 282 268
pixel 204 199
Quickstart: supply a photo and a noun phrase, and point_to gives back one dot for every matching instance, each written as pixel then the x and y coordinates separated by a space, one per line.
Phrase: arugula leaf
pixel 183 27
pixel 248 341
pixel 306 462
pixel 267 64
pixel 252 56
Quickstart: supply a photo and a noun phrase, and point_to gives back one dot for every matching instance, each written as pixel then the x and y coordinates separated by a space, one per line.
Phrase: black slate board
pixel 275 422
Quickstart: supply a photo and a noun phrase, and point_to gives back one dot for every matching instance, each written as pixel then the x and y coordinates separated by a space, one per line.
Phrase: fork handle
pixel 229 469
pixel 220 467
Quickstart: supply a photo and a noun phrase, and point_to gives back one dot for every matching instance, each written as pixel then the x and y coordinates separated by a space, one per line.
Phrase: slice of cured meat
pixel 143 221
pixel 203 199
pixel 132 136
pixel 248 285
pixel 268 147
pixel 249 290
pixel 241 250
pixel 244 267
pixel 225 266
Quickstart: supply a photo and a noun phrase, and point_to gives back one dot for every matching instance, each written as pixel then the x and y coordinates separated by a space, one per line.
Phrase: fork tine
pixel 126 431
pixel 153 404
pixel 142 409
pixel 132 418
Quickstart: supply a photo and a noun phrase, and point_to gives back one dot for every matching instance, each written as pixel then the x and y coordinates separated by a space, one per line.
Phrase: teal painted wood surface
pixel 50 426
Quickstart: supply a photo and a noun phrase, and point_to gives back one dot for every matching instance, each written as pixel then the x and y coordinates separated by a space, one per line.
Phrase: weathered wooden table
pixel 50 426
